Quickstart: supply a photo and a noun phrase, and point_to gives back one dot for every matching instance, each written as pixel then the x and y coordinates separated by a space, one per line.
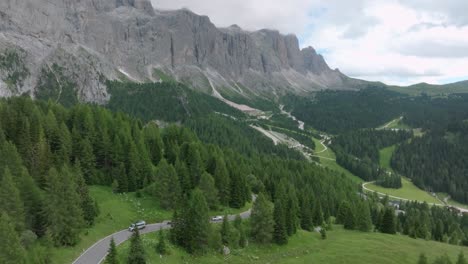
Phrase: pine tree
pixel 422 259
pixel 346 216
pixel 133 168
pixel 292 212
pixel 317 217
pixel 184 177
pixel 197 223
pixel 261 220
pixel 11 251
pixel 112 253
pixel 364 221
pixel 88 161
pixel 207 185
pixel 121 177
pixel 236 192
pixel 10 200
pixel 161 247
pixel 280 235
pixel 167 185
pixel 136 254
pixel 33 204
pixel 88 206
pixel 154 142
pixel 62 207
pixel 306 213
pixel 388 221
pixel 222 181
pixel 461 258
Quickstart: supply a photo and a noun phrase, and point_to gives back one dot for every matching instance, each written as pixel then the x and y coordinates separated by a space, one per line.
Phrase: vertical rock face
pixel 94 40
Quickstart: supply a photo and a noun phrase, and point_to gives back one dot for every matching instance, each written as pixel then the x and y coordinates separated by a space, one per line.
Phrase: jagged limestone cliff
pixel 85 42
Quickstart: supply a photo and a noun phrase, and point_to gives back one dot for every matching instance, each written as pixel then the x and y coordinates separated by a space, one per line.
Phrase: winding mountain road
pixel 98 252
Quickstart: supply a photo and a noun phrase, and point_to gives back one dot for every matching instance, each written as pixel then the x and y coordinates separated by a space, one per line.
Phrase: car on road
pixel 217 218
pixel 138 225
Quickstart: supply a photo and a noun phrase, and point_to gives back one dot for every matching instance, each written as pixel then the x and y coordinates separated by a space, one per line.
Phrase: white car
pixel 217 218
pixel 138 225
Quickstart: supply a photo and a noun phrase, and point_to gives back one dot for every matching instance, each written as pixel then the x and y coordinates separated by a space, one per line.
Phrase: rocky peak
pixel 94 40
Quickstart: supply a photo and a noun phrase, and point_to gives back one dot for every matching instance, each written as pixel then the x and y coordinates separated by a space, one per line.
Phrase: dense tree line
pixel 358 151
pixel 437 161
pixel 337 112
pixel 389 179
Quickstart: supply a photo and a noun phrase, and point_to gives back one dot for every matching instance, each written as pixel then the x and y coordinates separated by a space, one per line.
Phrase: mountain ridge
pixel 96 40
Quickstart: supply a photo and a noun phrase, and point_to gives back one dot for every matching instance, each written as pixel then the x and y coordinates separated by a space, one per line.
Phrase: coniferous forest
pixel 51 154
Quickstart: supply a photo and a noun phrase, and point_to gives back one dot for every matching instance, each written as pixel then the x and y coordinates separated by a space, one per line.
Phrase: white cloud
pixel 394 41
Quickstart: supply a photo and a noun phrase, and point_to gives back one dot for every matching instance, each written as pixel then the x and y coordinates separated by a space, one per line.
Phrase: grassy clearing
pixel 408 191
pixel 385 155
pixel 341 246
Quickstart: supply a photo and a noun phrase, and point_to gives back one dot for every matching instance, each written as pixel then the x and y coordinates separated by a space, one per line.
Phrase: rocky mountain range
pixel 83 43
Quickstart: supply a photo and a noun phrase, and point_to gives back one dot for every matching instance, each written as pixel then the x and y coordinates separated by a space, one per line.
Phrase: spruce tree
pixel 62 207
pixel 364 221
pixel 388 221
pixel 121 176
pixel 88 206
pixel 207 185
pixel 261 220
pixel 317 217
pixel 136 254
pixel 11 250
pixel 222 181
pixel 306 213
pixel 33 204
pixel 280 235
pixel 112 253
pixel 197 228
pixel 88 161
pixel 292 212
pixel 154 142
pixel 167 185
pixel 10 200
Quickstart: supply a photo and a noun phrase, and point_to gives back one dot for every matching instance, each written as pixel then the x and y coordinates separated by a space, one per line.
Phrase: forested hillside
pixel 437 161
pixel 49 154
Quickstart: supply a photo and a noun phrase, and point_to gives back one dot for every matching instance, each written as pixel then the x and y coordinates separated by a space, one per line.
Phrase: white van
pixel 138 225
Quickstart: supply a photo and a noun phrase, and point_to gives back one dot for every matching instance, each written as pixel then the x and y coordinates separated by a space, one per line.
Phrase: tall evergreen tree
pixel 112 253
pixel 10 200
pixel 197 223
pixel 11 251
pixel 154 142
pixel 88 205
pixel 317 217
pixel 280 234
pixel 167 185
pixel 62 207
pixel 306 213
pixel 207 185
pixel 292 212
pixel 364 221
pixel 261 220
pixel 136 254
pixel 388 221
pixel 88 161
pixel 222 180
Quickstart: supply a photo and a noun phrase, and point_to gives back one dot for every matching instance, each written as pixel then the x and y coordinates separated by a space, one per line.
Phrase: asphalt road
pixel 97 252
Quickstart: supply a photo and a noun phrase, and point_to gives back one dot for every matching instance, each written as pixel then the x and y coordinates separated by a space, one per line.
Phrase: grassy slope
pixel 331 164
pixel 409 190
pixel 117 211
pixel 341 246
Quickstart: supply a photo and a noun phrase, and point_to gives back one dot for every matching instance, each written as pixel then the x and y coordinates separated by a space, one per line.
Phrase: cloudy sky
pixel 394 41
